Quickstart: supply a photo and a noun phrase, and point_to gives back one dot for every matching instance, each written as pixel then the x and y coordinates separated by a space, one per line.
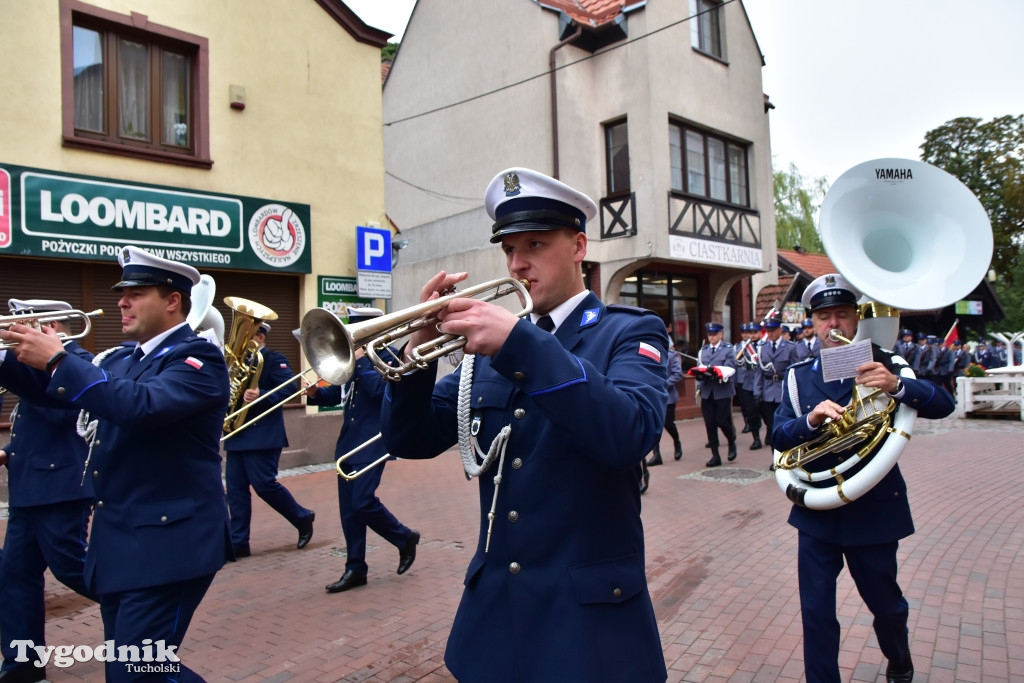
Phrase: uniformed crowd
pixel 553 414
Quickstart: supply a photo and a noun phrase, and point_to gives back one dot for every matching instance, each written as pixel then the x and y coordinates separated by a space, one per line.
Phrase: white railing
pixel 994 393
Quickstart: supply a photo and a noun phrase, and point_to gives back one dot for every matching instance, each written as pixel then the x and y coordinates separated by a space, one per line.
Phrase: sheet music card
pixel 841 362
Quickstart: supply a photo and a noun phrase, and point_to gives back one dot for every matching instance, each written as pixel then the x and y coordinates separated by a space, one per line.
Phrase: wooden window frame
pixel 608 127
pixel 138 27
pixel 727 142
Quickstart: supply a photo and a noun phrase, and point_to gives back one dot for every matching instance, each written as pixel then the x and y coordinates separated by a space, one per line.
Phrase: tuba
pixel 204 318
pixel 908 235
pixel 242 354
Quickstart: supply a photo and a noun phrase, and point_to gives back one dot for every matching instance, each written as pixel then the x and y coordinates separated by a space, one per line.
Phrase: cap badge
pixel 126 255
pixel 830 281
pixel 512 187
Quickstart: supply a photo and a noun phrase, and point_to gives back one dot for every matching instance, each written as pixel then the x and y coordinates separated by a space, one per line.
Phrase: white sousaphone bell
pixel 204 318
pixel 909 236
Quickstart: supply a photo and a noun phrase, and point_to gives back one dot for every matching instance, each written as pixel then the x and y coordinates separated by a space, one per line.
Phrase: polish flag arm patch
pixel 194 362
pixel 649 351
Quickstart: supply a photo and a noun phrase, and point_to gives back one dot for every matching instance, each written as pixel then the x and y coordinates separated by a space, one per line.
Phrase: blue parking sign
pixel 373 249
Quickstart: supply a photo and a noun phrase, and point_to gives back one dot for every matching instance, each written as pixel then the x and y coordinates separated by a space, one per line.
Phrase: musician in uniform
pixel 160 522
pixel 866 532
pixel 50 504
pixel 562 406
pixel 254 452
pixel 808 345
pixel 746 366
pixel 357 499
pixel 775 355
pixel 675 375
pixel 715 370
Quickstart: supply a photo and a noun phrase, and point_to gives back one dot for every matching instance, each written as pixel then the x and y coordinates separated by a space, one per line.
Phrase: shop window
pixel 132 87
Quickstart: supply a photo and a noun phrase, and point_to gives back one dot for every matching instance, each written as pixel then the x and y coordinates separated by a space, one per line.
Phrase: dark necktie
pixel 546 323
pixel 774 346
pixel 134 359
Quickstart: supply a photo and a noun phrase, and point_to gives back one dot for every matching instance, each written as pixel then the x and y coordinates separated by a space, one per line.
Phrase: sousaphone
pixel 909 236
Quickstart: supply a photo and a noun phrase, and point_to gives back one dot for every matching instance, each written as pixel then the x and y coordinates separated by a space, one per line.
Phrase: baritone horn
pixel 908 235
pixel 330 346
pixel 37 319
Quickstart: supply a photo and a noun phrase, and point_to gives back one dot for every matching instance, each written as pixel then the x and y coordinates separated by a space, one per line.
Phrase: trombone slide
pixel 360 472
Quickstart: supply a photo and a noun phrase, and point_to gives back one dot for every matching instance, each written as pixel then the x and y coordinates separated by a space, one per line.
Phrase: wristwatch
pixel 899 386
pixel 54 359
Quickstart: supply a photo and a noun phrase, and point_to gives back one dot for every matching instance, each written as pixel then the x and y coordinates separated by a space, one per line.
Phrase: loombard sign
pixel 45 213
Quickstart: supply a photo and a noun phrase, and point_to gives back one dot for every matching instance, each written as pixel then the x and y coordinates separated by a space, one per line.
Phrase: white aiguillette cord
pixel 87 428
pixel 468 447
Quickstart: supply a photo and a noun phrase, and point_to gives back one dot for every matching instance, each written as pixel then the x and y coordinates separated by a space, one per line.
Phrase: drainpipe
pixel 554 98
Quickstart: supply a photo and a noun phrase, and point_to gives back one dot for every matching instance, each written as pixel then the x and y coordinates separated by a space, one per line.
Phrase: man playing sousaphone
pixel 866 531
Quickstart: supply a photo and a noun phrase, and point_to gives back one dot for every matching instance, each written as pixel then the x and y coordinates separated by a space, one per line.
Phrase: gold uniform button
pixel 517 463
pixel 61 391
pixel 519 375
pixel 617 592
pixel 513 516
pixel 95 473
pixel 514 568
pixel 519 413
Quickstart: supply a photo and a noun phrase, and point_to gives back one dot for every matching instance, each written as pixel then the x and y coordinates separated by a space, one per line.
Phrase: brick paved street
pixel 721 564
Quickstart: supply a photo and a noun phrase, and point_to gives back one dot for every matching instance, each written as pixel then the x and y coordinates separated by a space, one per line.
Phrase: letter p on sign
pixel 373 249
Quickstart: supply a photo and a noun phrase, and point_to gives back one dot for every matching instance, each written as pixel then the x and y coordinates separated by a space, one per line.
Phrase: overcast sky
pixel 856 80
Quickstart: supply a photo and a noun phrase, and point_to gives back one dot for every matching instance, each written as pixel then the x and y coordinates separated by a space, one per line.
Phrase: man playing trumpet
pixel 866 532
pixel 567 403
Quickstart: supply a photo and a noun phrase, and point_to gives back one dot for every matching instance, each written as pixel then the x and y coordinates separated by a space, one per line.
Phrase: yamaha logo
pixel 893 174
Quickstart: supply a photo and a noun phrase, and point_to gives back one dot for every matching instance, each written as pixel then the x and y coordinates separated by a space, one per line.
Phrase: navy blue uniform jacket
pixel 269 431
pixel 881 515
pixel 562 593
pixel 46 455
pixel 362 413
pixel 160 514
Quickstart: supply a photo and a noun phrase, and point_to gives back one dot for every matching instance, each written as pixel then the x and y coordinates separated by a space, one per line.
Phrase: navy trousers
pixel 159 613
pixel 259 470
pixel 361 508
pixel 717 414
pixel 38 537
pixel 873 568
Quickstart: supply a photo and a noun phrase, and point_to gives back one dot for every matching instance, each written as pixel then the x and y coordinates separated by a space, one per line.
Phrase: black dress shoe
pixel 654 460
pixel 746 429
pixel 407 555
pixel 678 455
pixel 645 480
pixel 348 581
pixel 715 460
pixel 27 673
pixel 756 446
pixel 732 451
pixel 306 532
pixel 899 673
pixel 240 552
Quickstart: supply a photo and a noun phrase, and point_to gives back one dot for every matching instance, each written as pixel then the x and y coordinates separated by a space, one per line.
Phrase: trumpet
pixel 330 345
pixel 37 319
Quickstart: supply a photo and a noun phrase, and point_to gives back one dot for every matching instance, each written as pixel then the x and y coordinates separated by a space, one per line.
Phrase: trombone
pixel 37 319
pixel 330 345
pixel 358 473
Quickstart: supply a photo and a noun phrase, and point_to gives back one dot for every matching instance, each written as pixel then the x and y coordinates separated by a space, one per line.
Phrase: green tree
pixel 797 200
pixel 388 52
pixel 988 157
